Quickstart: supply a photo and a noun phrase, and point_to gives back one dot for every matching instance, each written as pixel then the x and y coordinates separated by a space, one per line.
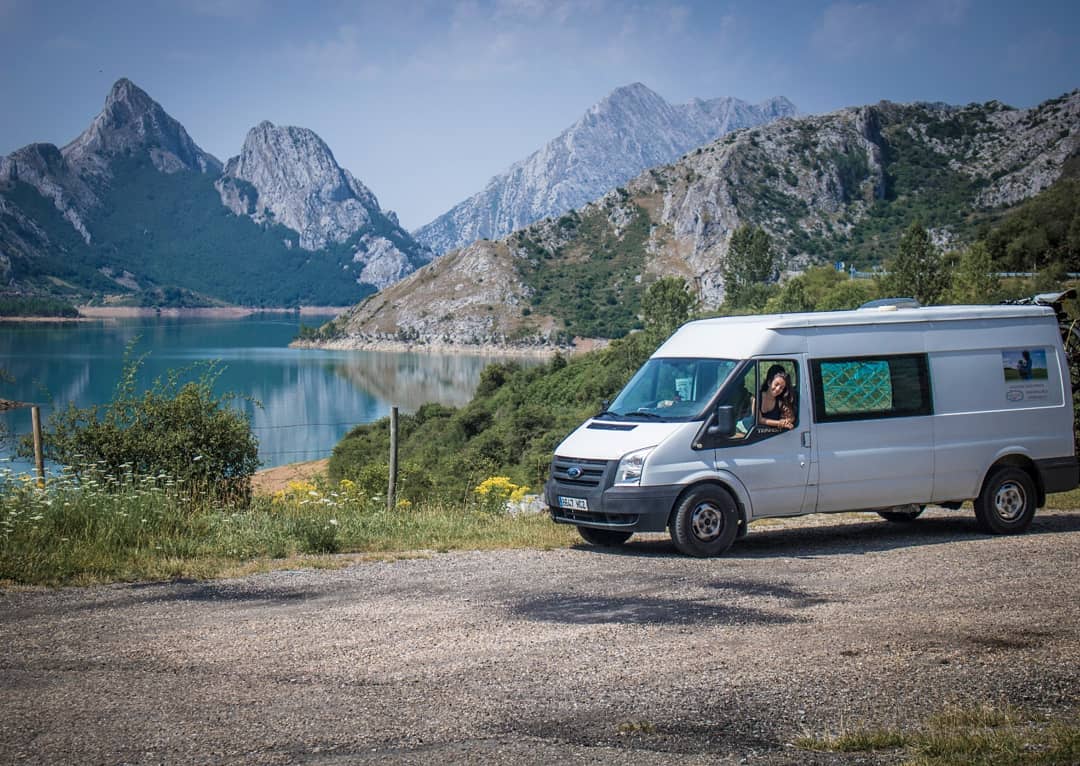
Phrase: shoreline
pixel 219 312
pixel 581 346
pixel 99 313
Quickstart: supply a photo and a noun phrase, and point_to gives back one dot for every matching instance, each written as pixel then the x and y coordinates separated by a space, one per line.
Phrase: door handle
pixel 805 438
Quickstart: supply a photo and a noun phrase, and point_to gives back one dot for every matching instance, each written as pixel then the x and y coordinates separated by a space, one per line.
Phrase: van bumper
pixel 1059 474
pixel 632 509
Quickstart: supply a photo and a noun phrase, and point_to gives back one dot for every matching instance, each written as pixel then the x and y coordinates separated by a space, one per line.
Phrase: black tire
pixel 705 522
pixel 609 537
pixel 1006 504
pixel 906 516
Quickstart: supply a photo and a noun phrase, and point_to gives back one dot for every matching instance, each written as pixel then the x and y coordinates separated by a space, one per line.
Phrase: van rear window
pixel 863 388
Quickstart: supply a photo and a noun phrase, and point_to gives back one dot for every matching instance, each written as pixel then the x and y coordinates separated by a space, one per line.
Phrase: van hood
pixel 611 439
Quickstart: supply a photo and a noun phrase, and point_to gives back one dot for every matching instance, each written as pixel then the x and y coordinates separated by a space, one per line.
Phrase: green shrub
pixel 177 429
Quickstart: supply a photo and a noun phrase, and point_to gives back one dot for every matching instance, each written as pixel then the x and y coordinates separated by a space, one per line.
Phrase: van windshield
pixel 671 389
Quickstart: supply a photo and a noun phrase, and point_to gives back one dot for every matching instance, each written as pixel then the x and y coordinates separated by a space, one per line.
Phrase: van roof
pixel 744 334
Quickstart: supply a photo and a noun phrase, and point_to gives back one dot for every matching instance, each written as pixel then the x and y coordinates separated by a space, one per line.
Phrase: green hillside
pixel 519 415
pixel 173 234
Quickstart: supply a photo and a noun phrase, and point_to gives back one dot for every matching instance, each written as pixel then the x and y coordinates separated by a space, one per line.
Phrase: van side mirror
pixel 723 422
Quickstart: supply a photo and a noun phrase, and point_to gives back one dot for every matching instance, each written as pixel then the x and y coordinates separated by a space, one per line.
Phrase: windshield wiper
pixel 643 414
pixel 606 414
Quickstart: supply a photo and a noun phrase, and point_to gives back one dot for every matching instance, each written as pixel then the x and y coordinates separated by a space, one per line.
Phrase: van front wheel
pixel 1006 504
pixel 705 522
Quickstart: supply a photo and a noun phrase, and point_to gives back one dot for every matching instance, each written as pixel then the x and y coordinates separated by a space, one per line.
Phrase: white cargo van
pixel 894 408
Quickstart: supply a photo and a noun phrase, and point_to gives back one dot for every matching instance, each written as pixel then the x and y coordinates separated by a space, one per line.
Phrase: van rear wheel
pixel 610 537
pixel 1006 504
pixel 705 522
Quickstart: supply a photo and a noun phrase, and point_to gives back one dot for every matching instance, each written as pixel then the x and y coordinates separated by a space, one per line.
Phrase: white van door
pixel 874 430
pixel 773 462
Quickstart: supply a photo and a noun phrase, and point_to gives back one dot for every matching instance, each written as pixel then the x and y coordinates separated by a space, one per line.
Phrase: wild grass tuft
pixel 980 735
pixel 151 528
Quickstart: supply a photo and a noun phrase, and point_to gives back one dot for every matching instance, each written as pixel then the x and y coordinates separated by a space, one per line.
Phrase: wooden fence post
pixel 391 492
pixel 39 456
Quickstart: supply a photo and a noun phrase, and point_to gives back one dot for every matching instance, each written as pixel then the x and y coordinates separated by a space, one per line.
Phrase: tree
pixel 750 262
pixel 849 294
pixel 975 279
pixel 667 304
pixel 791 299
pixel 918 269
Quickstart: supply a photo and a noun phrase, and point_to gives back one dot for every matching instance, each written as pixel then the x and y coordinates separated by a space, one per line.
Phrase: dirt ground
pixel 270 480
pixel 633 655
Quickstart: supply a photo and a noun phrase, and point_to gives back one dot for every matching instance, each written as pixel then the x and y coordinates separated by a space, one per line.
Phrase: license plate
pixel 574 503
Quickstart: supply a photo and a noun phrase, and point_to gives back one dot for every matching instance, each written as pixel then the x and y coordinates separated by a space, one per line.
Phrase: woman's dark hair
pixel 786 397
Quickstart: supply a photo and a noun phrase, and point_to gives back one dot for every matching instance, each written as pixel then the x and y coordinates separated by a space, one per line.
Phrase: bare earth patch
pixel 271 480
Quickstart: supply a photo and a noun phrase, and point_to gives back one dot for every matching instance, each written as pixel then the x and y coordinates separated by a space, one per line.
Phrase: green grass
pixel 150 529
pixel 967 734
pixel 1064 500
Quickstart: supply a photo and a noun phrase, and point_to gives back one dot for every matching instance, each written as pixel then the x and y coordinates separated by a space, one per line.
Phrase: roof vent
pixel 891 304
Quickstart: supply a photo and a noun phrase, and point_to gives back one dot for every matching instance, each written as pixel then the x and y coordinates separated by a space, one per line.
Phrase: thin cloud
pixel 344 55
pixel 849 30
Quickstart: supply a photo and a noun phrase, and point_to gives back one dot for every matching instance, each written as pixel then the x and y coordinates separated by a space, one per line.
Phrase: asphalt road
pixel 635 655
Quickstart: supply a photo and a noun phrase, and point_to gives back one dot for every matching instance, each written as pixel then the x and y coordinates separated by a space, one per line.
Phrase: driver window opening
pixel 760 410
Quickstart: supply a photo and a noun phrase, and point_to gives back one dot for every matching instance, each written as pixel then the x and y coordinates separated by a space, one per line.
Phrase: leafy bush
pixel 175 429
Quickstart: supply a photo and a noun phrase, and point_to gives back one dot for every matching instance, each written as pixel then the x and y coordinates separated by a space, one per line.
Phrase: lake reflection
pixel 309 398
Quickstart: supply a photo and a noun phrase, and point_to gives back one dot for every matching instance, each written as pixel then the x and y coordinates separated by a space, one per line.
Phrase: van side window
pixel 866 388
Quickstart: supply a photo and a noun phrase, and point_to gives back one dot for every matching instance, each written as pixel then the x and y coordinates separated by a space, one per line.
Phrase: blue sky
pixel 424 101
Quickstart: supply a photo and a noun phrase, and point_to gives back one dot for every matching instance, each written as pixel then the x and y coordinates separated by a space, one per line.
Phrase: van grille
pixel 591 471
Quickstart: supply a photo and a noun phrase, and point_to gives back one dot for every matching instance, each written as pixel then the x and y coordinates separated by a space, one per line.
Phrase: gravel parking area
pixel 636 655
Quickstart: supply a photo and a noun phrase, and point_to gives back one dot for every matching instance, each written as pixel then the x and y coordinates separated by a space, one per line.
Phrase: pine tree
pixel 666 305
pixel 750 262
pixel 975 280
pixel 918 270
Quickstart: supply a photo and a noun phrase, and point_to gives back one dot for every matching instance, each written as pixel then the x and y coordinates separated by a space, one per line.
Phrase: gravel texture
pixel 583 655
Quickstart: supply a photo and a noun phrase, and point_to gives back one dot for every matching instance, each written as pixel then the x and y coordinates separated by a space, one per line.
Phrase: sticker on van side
pixel 1025 374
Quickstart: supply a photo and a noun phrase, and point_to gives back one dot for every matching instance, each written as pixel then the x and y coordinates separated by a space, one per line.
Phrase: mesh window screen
pixel 856 387
pixel 871 388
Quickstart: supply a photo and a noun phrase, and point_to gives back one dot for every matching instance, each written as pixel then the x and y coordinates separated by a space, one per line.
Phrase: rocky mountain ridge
pixel 55 203
pixel 297 183
pixel 630 130
pixel 828 187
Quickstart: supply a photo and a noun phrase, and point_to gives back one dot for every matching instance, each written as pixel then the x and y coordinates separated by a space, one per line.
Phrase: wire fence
pixel 313 453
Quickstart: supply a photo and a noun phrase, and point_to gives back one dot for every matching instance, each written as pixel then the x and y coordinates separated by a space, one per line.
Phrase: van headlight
pixel 631 465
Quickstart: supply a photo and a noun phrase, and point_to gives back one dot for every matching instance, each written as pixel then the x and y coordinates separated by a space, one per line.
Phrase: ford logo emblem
pixel 574 472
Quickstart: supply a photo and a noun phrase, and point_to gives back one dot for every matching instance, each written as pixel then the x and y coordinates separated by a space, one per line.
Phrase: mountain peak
pixel 629 130
pixel 124 91
pixel 131 121
pixel 301 184
pixel 633 96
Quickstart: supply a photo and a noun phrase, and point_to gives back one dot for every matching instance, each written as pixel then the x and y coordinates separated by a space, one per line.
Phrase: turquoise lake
pixel 309 398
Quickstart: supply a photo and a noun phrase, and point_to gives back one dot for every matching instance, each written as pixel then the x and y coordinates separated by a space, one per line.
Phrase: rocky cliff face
pixel 818 185
pixel 288 175
pixel 630 130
